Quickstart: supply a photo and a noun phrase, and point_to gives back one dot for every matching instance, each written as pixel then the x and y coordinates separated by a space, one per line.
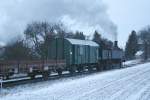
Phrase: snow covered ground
pixel 131 62
pixel 126 84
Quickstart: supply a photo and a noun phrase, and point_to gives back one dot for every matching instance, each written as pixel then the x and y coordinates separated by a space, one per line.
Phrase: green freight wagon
pixel 77 53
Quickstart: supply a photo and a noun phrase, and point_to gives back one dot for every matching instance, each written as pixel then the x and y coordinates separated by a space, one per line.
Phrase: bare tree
pixel 17 50
pixel 41 33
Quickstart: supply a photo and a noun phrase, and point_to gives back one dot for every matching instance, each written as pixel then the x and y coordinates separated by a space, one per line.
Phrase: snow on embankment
pixel 131 62
pixel 126 84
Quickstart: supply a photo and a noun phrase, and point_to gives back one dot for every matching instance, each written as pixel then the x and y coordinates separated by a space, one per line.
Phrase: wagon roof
pixel 82 42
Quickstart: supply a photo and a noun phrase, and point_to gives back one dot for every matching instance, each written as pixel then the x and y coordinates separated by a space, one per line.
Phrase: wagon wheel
pixel 6 77
pixel 90 68
pixel 99 67
pixel 80 69
pixel 45 75
pixel 72 70
pixel 59 71
pixel 32 76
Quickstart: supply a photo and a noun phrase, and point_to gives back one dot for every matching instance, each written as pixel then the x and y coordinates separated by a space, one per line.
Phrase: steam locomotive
pixel 65 54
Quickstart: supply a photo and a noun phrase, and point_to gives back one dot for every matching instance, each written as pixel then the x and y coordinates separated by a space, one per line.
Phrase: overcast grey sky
pixel 128 15
pixel 107 16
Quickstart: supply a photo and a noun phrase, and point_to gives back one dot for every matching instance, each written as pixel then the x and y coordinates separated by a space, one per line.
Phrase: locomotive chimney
pixel 116 41
pixel 116 44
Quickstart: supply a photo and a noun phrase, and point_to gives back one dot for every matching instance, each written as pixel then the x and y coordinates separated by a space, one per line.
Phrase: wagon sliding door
pixel 87 53
pixel 73 53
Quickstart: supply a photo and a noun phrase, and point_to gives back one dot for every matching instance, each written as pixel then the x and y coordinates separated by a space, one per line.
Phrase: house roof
pixel 82 42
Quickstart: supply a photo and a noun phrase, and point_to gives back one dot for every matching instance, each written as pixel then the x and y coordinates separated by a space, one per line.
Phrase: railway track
pixel 25 80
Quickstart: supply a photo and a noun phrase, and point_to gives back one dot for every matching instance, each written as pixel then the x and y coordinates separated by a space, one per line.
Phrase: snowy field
pixel 126 84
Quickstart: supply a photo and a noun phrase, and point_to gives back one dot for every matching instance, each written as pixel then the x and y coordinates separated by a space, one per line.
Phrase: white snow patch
pixel 131 62
pixel 139 53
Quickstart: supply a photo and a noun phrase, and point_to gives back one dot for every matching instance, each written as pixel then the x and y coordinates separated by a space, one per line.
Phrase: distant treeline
pixel 138 44
pixel 37 36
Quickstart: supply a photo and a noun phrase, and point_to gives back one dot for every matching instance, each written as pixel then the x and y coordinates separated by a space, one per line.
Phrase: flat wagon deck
pixel 31 68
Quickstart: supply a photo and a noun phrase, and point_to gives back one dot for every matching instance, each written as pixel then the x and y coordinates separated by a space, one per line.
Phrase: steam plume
pixel 83 15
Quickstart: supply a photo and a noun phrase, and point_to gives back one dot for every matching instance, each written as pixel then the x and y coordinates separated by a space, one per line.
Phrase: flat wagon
pixel 31 68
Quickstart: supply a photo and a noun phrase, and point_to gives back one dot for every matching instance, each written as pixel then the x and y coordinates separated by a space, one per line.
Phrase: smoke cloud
pixel 82 15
